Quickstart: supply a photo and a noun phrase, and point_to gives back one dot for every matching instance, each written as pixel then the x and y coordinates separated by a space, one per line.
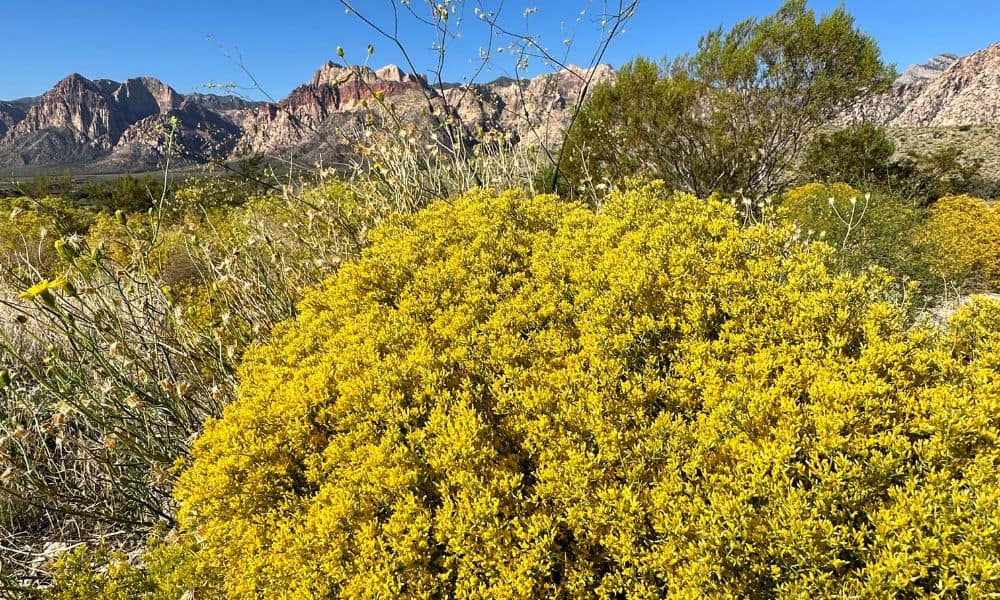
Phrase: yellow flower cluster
pixel 962 241
pixel 512 397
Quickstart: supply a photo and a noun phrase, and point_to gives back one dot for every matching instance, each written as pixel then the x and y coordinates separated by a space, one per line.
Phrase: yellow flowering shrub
pixel 171 571
pixel 513 397
pixel 962 241
pixel 28 229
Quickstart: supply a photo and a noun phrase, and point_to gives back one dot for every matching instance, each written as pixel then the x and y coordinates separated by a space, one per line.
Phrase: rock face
pixel 923 74
pixel 536 110
pixel 320 118
pixel 108 125
pixel 322 112
pixel 12 113
pixel 946 91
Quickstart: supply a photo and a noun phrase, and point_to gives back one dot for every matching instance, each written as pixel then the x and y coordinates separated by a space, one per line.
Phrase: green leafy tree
pixel 638 126
pixel 751 97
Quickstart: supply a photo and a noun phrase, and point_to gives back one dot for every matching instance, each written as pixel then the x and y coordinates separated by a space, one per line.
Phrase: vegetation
pixel 863 155
pixel 732 117
pixel 868 229
pixel 517 397
pixel 962 241
pixel 421 378
pixel 859 155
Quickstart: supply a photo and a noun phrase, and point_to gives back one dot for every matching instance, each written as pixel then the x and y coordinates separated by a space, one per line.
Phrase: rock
pixel 946 91
pixel 107 125
pixel 11 114
pixel 113 126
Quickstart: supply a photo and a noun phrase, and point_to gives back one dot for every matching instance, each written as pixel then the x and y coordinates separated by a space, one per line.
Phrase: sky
pixel 198 46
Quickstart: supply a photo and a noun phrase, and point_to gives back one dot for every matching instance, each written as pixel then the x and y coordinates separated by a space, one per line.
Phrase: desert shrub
pixel 127 240
pixel 248 178
pixel 962 241
pixel 734 116
pixel 923 178
pixel 113 361
pixel 44 186
pixel 632 126
pixel 127 193
pixel 860 155
pixel 517 397
pixel 868 229
pixel 100 573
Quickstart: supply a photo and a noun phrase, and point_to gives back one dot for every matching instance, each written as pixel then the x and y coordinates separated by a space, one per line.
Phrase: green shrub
pixel 516 397
pixel 734 116
pixel 126 193
pixel 860 155
pixel 868 229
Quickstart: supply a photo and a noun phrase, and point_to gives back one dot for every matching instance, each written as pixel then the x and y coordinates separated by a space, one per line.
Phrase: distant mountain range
pixel 112 127
pixel 108 126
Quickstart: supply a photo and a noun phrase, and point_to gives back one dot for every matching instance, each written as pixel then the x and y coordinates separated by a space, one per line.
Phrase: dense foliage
pixel 859 155
pixel 120 333
pixel 510 395
pixel 733 116
pixel 868 229
pixel 516 397
pixel 863 155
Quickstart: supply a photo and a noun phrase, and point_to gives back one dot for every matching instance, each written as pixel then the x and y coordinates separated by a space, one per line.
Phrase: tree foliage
pixel 863 155
pixel 860 155
pixel 738 110
pixel 518 397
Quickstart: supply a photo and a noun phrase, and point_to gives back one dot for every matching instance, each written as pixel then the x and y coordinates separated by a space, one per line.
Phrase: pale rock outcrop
pixel 946 91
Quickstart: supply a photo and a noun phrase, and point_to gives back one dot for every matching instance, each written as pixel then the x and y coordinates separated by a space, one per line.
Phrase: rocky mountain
pixel 320 118
pixel 946 91
pixel 113 126
pixel 535 110
pixel 916 75
pixel 11 113
pixel 108 126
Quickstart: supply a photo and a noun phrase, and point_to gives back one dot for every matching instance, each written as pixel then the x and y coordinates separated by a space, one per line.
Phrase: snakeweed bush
pixel 510 396
pixel 962 240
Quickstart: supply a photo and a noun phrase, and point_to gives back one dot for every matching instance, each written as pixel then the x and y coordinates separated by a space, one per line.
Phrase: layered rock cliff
pixel 324 111
pixel 536 110
pixel 946 91
pixel 12 113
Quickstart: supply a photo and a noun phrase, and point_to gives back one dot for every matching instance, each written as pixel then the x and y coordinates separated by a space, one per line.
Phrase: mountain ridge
pixel 946 91
pixel 106 125
pixel 111 126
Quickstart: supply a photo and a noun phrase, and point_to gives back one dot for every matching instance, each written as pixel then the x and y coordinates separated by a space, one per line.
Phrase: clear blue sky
pixel 283 42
